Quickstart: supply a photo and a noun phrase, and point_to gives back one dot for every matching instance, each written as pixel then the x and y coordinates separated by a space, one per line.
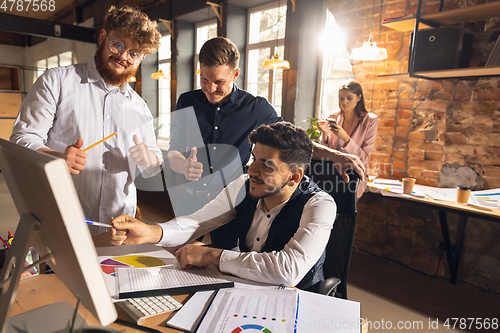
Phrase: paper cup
pixel 463 193
pixel 408 185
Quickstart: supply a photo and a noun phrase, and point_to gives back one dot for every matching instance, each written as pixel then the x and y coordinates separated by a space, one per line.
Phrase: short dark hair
pixel 137 25
pixel 219 51
pixel 355 87
pixel 293 142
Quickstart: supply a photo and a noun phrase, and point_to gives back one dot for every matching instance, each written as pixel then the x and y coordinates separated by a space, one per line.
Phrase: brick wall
pixel 423 126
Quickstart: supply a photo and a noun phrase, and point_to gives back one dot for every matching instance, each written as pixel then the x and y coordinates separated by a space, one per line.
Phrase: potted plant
pixel 313 130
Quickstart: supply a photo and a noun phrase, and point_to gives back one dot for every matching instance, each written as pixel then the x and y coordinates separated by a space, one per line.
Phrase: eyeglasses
pixel 118 48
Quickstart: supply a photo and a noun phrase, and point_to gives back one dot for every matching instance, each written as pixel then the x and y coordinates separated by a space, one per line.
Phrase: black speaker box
pixel 442 48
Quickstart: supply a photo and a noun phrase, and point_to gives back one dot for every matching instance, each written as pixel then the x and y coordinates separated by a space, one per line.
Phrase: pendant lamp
pixel 276 63
pixel 131 79
pixel 158 75
pixel 369 51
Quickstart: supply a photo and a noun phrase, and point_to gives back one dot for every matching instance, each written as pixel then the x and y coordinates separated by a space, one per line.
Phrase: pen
pixel 98 142
pixel 10 234
pixel 4 242
pixel 99 224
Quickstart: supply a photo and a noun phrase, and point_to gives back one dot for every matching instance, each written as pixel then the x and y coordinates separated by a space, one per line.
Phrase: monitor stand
pixel 51 318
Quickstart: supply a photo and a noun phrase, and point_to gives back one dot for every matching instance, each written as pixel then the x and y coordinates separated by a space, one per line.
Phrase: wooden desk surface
pixel 48 288
pixel 479 210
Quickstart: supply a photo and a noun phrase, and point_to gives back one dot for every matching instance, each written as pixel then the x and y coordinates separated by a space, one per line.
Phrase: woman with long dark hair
pixel 352 130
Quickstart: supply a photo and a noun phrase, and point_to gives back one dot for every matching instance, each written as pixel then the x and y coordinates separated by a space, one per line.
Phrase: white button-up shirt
pixel 287 266
pixel 68 103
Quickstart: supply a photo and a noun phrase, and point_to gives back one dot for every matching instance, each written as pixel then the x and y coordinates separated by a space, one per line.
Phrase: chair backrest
pixel 339 248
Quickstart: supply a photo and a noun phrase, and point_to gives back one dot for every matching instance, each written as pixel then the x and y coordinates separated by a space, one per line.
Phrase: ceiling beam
pixel 34 27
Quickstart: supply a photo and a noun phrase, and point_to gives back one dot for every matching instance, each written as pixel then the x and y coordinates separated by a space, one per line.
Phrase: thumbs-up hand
pixel 75 157
pixel 192 168
pixel 142 156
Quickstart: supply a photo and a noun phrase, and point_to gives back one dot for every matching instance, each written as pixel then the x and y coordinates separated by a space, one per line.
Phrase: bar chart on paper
pixel 490 199
pixel 250 310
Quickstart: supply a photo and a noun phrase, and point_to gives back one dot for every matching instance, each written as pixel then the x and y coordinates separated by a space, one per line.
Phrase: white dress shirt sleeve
pixel 291 264
pixel 216 213
pixel 37 112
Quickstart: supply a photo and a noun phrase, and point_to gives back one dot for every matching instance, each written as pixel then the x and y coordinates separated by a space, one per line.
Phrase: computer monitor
pixel 51 220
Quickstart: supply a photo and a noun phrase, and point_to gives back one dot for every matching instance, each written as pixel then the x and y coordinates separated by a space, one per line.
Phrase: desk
pixel 48 288
pixel 453 255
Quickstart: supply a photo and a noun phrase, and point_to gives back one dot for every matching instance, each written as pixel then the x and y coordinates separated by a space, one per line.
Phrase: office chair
pixel 339 248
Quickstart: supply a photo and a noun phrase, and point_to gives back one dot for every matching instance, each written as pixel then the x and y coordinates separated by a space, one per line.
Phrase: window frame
pixel 198 25
pixel 320 80
pixel 271 44
pixel 160 104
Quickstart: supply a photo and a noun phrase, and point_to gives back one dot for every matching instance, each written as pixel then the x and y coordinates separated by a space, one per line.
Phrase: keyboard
pixel 140 308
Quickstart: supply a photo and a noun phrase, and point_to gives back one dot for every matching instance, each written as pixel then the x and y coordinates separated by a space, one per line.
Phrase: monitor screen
pixel 42 188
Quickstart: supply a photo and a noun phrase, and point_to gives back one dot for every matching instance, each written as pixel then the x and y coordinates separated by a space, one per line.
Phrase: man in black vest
pixel 283 218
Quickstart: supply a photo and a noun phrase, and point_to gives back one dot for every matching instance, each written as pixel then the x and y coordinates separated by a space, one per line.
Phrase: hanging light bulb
pixel 276 63
pixel 131 79
pixel 158 75
pixel 369 51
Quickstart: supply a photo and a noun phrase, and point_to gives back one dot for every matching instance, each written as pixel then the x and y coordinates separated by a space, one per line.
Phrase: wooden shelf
pixel 394 76
pixel 460 72
pixel 404 24
pixel 467 14
pixel 450 73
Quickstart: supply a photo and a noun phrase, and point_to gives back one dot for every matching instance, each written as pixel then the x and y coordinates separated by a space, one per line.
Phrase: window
pixel 335 69
pixel 164 102
pixel 204 31
pixel 266 37
pixel 63 59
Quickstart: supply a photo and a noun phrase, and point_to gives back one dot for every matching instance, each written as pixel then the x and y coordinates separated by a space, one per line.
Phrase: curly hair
pixel 219 51
pixel 291 140
pixel 136 24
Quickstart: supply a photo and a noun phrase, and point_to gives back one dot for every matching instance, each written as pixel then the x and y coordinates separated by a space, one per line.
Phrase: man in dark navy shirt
pixel 211 129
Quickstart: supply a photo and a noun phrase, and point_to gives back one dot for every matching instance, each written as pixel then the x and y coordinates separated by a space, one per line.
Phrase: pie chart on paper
pixel 108 265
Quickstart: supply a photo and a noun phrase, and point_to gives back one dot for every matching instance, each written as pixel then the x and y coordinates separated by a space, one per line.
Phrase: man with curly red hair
pixel 70 108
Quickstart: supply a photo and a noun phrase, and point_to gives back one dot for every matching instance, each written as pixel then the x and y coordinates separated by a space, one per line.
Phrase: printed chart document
pixel 188 317
pixel 488 198
pixel 236 310
pixel 144 255
pixel 151 281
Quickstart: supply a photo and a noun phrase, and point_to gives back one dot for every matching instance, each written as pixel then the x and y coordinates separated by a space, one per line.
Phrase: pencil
pixel 98 142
